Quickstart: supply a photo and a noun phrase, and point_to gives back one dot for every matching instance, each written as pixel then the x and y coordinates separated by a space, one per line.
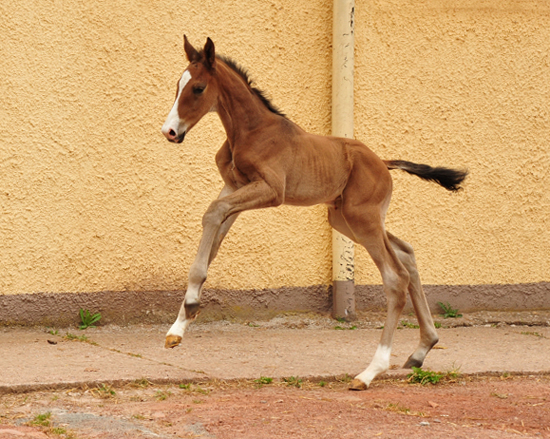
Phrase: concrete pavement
pixel 305 347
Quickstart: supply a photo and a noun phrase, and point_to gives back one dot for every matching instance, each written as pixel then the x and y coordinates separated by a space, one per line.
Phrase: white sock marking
pixel 380 363
pixel 179 327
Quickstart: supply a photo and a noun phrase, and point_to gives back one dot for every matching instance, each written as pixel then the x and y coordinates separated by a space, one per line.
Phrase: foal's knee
pixel 216 214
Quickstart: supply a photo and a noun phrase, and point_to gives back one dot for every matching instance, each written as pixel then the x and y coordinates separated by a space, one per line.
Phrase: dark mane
pixel 241 71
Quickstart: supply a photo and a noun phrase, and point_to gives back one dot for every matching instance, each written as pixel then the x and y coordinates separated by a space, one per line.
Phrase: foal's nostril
pixel 172 134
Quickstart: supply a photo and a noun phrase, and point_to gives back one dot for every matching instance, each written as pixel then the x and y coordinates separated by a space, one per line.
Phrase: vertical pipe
pixel 343 294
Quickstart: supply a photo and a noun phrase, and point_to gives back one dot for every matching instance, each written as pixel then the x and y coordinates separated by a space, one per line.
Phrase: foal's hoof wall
pixel 357 384
pixel 411 362
pixel 172 341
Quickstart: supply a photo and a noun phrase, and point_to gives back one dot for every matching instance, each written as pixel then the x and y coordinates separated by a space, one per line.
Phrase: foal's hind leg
pixel 428 335
pixel 364 225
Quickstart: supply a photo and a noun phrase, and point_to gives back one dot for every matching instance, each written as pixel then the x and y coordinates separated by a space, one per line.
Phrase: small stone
pixel 424 424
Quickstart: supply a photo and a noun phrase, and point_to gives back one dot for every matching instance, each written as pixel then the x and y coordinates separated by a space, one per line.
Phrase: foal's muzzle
pixel 173 137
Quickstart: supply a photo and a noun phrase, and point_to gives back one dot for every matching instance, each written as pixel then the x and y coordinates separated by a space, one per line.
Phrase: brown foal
pixel 267 160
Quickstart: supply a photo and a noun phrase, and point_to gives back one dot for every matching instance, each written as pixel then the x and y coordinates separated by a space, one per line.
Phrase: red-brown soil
pixel 489 407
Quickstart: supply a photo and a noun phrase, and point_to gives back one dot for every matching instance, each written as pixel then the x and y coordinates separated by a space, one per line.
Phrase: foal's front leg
pixel 219 216
pixel 187 314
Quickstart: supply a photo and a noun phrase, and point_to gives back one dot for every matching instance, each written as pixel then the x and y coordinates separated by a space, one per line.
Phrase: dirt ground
pixel 469 406
pixel 481 407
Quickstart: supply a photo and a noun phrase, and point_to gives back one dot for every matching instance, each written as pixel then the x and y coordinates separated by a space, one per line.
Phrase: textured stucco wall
pixel 463 83
pixel 93 198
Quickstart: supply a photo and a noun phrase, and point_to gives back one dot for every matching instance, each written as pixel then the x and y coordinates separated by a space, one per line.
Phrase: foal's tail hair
pixel 450 179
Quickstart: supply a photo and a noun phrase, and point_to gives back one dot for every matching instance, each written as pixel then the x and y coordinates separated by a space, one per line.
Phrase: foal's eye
pixel 198 89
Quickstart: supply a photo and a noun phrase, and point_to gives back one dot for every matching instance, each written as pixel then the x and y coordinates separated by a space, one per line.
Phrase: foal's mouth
pixel 180 138
pixel 171 136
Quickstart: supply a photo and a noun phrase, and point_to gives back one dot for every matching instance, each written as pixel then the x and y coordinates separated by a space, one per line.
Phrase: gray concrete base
pixel 343 300
pixel 124 307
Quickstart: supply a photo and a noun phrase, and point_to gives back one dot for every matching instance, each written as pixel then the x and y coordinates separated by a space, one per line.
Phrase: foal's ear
pixel 190 51
pixel 209 54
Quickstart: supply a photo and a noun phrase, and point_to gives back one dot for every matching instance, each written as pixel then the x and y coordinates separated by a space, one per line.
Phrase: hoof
pixel 357 385
pixel 411 362
pixel 172 341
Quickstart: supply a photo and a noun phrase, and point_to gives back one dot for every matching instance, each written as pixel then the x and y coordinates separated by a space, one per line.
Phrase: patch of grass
pixel 42 420
pixel 81 338
pixel 161 396
pixel 139 417
pixel 199 389
pixel 87 319
pixel 322 383
pixel 449 311
pixel 409 325
pixel 263 381
pixel 293 381
pixel 194 388
pixel 103 391
pixel 536 334
pixel 141 382
pixel 437 325
pixel 340 328
pixel 419 376
pixel 398 408
pixel 424 377
pixel 346 379
pixel 453 374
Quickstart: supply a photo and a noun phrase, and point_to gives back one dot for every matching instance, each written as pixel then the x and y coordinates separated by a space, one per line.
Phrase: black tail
pixel 450 179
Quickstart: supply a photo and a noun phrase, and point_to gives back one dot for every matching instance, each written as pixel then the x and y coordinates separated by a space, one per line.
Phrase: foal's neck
pixel 239 108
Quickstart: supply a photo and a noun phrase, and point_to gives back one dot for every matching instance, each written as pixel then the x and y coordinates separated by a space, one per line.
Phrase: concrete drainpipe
pixel 343 305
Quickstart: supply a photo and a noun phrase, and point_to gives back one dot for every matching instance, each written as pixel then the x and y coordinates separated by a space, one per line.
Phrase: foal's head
pixel 196 92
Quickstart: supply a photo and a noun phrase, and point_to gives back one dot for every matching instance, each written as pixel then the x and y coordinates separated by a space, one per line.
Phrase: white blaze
pixel 173 120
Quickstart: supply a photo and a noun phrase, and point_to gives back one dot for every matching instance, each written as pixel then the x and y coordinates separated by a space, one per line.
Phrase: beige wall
pixel 92 198
pixel 462 83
